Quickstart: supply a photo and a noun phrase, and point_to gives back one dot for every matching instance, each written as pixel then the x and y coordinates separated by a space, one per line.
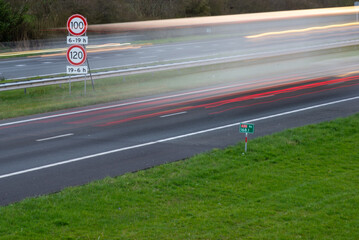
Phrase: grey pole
pixel 245 146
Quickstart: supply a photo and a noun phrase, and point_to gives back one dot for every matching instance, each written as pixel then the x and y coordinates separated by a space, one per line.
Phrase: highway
pixel 201 42
pixel 45 153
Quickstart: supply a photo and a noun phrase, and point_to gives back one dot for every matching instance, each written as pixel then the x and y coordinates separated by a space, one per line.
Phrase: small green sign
pixel 246 128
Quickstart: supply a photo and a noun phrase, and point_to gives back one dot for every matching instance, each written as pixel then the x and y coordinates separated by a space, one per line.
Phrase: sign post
pixel 356 5
pixel 76 54
pixel 246 128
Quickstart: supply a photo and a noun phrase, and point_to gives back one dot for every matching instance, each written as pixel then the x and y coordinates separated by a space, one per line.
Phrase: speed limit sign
pixel 76 55
pixel 77 25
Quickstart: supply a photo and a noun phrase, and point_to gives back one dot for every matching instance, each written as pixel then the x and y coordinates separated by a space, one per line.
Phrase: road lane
pixel 45 153
pixel 198 43
pixel 96 149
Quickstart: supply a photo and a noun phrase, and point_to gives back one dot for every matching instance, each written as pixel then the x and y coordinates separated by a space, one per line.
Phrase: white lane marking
pixel 124 104
pixel 174 138
pixel 144 57
pixel 55 137
pixel 173 114
pixel 20 65
pixel 335 83
pixel 267 96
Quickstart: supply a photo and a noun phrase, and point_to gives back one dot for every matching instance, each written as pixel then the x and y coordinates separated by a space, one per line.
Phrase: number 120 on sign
pixel 76 55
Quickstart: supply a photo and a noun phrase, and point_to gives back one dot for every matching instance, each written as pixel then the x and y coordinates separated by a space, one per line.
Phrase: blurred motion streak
pixel 218 20
pixel 217 102
pixel 303 30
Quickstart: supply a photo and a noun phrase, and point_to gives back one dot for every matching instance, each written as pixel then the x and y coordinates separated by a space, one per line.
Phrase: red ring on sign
pixel 82 18
pixel 68 53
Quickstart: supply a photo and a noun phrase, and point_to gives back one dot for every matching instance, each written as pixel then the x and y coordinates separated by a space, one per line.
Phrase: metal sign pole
pixel 246 128
pixel 76 54
pixel 245 146
pixel 88 65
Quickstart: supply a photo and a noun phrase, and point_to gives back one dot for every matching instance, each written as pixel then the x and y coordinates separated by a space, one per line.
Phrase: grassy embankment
pixel 298 184
pixel 56 97
pixel 50 98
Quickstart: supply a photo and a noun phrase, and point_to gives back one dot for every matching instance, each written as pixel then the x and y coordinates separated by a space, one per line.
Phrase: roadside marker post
pixel 246 128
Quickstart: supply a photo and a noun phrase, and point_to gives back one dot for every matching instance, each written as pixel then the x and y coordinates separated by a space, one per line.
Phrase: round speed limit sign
pixel 77 25
pixel 76 55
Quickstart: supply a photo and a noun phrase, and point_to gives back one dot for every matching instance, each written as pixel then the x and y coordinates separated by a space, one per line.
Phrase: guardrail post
pixel 85 84
pixel 69 85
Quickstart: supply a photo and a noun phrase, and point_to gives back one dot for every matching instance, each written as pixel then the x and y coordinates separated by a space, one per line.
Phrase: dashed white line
pixel 266 96
pixel 174 138
pixel 173 114
pixel 55 137
pixel 148 57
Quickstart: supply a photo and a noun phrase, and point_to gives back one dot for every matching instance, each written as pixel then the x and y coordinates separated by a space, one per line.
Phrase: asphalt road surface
pixel 45 153
pixel 206 42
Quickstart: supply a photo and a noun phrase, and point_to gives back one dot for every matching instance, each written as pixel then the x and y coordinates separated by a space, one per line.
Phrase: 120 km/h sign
pixel 76 55
pixel 77 25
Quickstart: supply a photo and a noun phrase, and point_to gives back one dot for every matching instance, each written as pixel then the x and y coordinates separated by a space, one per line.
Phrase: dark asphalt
pixel 74 147
pixel 203 42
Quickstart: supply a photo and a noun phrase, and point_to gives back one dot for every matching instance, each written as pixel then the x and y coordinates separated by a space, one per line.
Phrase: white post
pixel 245 146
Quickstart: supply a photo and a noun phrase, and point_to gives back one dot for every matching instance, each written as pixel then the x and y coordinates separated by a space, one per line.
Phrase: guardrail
pixel 169 66
pixel 122 72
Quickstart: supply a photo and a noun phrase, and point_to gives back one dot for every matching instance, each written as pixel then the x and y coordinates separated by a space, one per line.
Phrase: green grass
pixel 16 103
pixel 298 184
pixel 51 98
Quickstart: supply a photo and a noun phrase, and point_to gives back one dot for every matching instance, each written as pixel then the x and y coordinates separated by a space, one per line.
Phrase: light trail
pixel 42 167
pixel 219 20
pixel 215 103
pixel 266 34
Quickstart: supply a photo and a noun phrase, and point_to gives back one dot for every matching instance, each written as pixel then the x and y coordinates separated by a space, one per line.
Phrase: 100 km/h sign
pixel 76 55
pixel 77 25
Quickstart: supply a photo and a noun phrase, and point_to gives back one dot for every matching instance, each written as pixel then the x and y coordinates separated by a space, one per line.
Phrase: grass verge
pixel 298 184
pixel 56 97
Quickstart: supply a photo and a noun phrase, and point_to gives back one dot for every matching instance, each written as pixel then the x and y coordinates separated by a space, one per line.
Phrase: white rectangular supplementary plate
pixel 76 69
pixel 77 40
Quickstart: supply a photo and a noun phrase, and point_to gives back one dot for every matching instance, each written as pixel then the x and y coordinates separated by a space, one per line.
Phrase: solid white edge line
pixel 174 138
pixel 55 137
